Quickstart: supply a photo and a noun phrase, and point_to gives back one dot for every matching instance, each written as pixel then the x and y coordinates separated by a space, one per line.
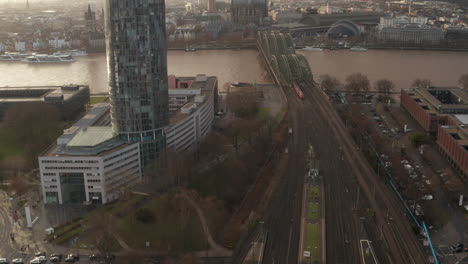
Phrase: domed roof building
pixel 249 11
pixel 342 28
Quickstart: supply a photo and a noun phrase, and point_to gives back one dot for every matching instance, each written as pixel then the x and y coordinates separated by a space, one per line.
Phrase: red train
pixel 298 91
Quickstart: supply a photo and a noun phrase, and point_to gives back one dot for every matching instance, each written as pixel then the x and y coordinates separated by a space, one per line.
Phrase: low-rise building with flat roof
pixel 89 163
pixel 443 113
pixel 69 99
pixel 452 141
pixel 192 101
pixel 431 106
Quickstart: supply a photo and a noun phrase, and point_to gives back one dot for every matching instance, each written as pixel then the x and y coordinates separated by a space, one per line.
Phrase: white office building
pixel 412 34
pixel 89 164
pixel 193 103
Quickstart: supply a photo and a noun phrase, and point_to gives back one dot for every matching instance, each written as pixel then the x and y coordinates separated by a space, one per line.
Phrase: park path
pixel 215 249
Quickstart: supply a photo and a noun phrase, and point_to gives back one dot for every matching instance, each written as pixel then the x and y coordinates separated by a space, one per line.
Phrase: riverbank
pixel 390 48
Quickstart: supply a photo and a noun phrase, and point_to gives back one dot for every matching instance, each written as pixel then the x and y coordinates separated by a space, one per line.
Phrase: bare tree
pixel 384 86
pixel 104 240
pixel 463 81
pixel 213 146
pixel 421 83
pixel 170 169
pixel 242 104
pixel 329 83
pixel 357 82
pixel 36 125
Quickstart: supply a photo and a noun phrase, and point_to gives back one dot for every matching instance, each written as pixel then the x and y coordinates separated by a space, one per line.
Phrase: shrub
pixel 144 215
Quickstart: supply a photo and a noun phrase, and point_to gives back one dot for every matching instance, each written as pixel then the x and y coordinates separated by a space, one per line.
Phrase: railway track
pixel 397 235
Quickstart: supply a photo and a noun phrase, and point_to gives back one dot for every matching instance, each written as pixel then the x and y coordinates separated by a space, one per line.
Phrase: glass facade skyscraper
pixel 137 67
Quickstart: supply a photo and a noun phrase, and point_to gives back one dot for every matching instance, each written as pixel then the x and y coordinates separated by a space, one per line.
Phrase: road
pixel 350 188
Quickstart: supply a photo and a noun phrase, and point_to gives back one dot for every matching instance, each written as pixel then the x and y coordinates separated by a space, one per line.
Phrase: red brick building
pixel 443 114
pixel 453 143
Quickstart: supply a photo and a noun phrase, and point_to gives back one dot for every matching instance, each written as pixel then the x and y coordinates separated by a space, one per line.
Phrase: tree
pixel 104 240
pixel 329 83
pixel 418 139
pixel 421 83
pixel 242 104
pixel 357 82
pixel 384 86
pixel 213 146
pixel 463 81
pixel 34 124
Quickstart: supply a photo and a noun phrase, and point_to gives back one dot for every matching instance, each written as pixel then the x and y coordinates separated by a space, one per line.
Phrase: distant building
pixel 20 46
pixel 249 11
pixel 457 36
pixel 287 16
pixel 68 99
pixel 211 5
pixel 402 20
pixel 88 163
pixel 192 103
pixel 344 28
pixel 58 43
pixel 415 34
pixel 90 18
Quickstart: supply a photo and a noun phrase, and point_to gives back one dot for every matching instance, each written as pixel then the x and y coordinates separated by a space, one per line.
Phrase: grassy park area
pixel 313 192
pixel 312 243
pixel 313 211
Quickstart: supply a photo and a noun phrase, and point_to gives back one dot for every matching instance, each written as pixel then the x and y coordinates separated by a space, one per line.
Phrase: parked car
pixel 72 258
pixel 427 197
pixel 3 261
pixel 40 254
pixel 458 248
pixel 17 261
pixel 95 257
pixel 35 261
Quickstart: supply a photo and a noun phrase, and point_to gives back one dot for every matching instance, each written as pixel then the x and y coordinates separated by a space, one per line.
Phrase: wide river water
pixel 402 67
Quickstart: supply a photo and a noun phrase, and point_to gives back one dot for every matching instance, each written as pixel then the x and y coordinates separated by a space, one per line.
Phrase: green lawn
pixel 9 146
pixel 280 115
pixel 97 99
pixel 263 113
pixel 313 211
pixel 314 192
pixel 312 243
pixel 176 227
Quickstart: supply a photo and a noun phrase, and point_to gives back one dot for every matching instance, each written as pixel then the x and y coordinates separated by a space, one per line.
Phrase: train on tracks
pixel 298 90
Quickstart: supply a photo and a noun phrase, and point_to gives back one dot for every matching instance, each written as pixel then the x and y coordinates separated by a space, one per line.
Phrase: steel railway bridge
pixel 287 66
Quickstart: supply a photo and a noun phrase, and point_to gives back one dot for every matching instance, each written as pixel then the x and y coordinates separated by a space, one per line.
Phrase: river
pixel 402 67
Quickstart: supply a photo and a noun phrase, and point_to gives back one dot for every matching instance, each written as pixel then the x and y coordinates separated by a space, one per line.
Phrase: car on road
pixel 3 261
pixel 17 261
pixel 290 131
pixel 72 258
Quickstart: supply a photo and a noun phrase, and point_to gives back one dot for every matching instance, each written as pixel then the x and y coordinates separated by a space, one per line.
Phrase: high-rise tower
pixel 137 66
